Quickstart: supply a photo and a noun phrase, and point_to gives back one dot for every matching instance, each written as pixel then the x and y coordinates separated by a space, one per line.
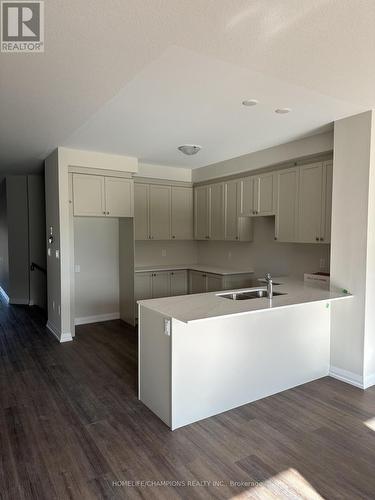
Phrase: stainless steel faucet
pixel 268 278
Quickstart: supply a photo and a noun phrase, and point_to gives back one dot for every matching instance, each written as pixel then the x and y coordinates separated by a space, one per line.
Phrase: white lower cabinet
pixel 201 282
pixel 153 285
pixel 179 283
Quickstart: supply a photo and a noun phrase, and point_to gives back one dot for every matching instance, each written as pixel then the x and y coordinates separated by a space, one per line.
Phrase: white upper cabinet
pixel 236 228
pixel 98 196
pixel 202 216
pixel 182 213
pixel 327 216
pixel 163 212
pixel 216 212
pixel 264 194
pixel 311 211
pixel 286 182
pixel 88 195
pixel 119 197
pixel 141 209
pixel 246 197
pixel 160 212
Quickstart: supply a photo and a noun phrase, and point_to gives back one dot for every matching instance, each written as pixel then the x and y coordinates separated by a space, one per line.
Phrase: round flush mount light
pixel 189 149
pixel 282 111
pixel 250 102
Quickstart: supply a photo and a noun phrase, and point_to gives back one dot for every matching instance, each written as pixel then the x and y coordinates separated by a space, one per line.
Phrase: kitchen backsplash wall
pixel 165 252
pixel 264 254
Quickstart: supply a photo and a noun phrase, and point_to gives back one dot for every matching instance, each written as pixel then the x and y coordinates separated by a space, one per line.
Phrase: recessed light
pixel 250 102
pixel 282 111
pixel 189 149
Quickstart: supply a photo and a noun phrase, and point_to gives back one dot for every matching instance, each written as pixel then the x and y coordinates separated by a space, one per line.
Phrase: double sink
pixel 248 294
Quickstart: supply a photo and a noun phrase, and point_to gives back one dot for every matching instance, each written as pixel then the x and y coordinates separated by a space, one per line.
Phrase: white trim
pixel 369 381
pixel 347 376
pixel 64 337
pixel 19 302
pixel 4 295
pixel 97 319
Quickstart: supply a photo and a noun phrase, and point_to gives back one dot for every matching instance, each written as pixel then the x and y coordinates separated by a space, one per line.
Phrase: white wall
pixel 264 254
pixel 96 252
pixel 352 249
pixel 177 252
pixel 317 144
pixel 164 172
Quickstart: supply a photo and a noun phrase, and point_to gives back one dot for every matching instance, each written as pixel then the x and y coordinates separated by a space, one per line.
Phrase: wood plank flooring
pixel 71 427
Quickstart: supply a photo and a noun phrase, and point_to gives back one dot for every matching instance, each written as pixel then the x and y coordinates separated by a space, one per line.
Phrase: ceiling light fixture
pixel 282 111
pixel 250 102
pixel 189 149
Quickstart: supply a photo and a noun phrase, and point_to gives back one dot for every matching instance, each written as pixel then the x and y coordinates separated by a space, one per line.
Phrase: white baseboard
pixel 4 295
pixel 369 381
pixel 347 376
pixel 19 302
pixel 97 319
pixel 65 337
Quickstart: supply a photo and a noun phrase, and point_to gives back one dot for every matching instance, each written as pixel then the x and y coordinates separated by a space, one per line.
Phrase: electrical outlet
pixel 164 252
pixel 57 253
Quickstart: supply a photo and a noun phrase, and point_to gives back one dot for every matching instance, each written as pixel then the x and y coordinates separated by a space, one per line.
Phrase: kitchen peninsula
pixel 203 354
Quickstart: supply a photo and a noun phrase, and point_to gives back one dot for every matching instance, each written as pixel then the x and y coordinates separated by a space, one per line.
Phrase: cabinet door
pixel 182 213
pixel 197 282
pixel 214 283
pixel 142 286
pixel 286 205
pixel 179 284
pixel 236 228
pixel 119 197
pixel 327 203
pixel 264 194
pixel 230 208
pixel 310 203
pixel 141 219
pixel 88 195
pixel 160 285
pixel 217 213
pixel 202 217
pixel 246 196
pixel 160 212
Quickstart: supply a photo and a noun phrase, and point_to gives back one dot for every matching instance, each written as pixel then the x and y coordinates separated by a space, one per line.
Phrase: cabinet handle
pixel 317 239
pixel 172 274
pixel 237 238
pixel 321 239
pixel 275 237
pixel 173 237
pixel 104 212
pixel 107 213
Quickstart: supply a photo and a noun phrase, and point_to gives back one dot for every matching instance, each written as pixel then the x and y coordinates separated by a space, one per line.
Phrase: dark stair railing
pixel 37 266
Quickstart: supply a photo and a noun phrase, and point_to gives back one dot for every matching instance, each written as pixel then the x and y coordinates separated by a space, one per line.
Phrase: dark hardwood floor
pixel 71 427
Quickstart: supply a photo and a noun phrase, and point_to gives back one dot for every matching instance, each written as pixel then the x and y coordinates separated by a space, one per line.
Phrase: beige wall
pixel 317 144
pixel 264 254
pixel 96 252
pixel 177 252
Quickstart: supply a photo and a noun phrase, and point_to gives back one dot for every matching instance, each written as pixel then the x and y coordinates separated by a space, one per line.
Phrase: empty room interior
pixel 187 249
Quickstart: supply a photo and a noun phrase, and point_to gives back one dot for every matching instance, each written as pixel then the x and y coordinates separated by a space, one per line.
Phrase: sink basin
pixel 247 295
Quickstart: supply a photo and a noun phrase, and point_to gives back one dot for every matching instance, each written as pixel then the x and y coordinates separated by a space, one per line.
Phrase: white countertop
pixel 202 306
pixel 193 267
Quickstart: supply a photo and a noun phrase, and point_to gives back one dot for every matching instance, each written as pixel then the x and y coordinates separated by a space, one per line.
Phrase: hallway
pixel 71 427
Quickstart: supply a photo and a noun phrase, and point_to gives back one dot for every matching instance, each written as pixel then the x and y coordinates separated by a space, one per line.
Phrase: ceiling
pixel 141 77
